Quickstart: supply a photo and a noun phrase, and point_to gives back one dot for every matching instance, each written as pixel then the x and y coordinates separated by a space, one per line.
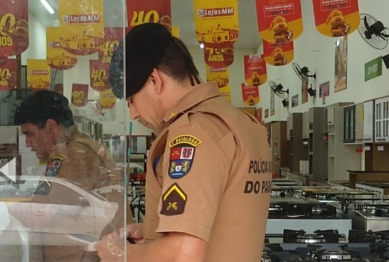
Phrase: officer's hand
pixel 133 231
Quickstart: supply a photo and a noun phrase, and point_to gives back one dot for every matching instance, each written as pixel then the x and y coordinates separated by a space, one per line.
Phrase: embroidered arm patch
pixel 173 201
pixel 182 150
pixel 54 164
pixel 43 188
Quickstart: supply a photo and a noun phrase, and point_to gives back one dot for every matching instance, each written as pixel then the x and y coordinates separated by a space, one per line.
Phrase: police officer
pixel 208 196
pixel 47 123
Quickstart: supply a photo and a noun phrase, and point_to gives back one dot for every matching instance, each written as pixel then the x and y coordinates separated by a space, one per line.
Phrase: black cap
pixel 41 106
pixel 145 45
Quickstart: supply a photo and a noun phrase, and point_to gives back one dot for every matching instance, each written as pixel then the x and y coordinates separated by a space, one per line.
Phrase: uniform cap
pixel 145 45
pixel 43 105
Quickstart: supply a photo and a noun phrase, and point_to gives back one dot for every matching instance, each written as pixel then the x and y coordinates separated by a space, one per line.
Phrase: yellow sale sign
pixel 57 57
pixel 82 26
pixel 38 74
pixel 216 21
pixel 107 99
pixel 218 75
pixel 226 91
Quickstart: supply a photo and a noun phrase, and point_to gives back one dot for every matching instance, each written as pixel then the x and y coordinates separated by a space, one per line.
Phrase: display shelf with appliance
pixel 340 157
pixel 297 150
pixel 376 148
pixel 138 148
pixel 381 120
pixel 92 128
pixel 279 147
pixel 317 154
pixel 349 124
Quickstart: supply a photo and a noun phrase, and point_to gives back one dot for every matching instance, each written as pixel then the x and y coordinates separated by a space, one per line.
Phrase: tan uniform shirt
pixel 88 163
pixel 216 177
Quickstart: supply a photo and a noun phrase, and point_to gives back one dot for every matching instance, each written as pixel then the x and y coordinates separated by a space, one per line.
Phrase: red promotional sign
pixel 99 80
pixel 3 60
pixel 278 54
pixel 8 75
pixel 58 88
pixel 14 28
pixel 254 70
pixel 336 17
pixel 112 37
pixel 279 21
pixel 250 94
pixel 79 95
pixel 150 11
pixel 221 55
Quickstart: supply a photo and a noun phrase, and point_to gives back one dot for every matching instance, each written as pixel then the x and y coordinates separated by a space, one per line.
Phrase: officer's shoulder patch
pixel 54 164
pixel 173 201
pixel 43 188
pixel 182 150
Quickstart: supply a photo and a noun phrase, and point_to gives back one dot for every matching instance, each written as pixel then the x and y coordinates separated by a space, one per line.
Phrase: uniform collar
pixel 70 134
pixel 194 97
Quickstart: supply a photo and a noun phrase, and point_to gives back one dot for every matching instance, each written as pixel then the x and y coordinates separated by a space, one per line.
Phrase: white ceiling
pixel 182 16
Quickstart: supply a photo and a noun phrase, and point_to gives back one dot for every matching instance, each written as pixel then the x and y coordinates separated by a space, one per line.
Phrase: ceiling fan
pixel 373 31
pixel 278 89
pixel 303 74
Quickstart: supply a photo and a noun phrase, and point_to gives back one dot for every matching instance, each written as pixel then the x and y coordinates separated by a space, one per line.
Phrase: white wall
pixel 317 53
pixel 37 45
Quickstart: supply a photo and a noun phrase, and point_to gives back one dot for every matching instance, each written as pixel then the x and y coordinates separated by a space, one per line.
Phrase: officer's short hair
pixel 42 105
pixel 148 46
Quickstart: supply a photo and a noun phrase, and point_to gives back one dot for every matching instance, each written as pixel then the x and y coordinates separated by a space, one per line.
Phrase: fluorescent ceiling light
pixel 47 6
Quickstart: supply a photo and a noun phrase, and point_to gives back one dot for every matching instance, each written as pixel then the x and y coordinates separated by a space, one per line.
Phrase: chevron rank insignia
pixel 173 201
pixel 182 150
pixel 43 188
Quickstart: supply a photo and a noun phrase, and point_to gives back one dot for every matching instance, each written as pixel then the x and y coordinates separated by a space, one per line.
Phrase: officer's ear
pixel 51 125
pixel 156 81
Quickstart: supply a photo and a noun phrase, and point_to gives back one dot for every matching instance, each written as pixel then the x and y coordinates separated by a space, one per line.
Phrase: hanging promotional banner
pixel 217 27
pixel 216 22
pixel 278 54
pixel 38 74
pixel 79 94
pixel 14 28
pixel 58 88
pixel 219 56
pixel 150 11
pixel 226 92
pixel 336 17
pixel 341 54
pixel 107 99
pixel 3 60
pixel 218 75
pixel 57 58
pixel 99 71
pixel 250 94
pixel 254 70
pixel 8 75
pixel 112 37
pixel 82 26
pixel 279 21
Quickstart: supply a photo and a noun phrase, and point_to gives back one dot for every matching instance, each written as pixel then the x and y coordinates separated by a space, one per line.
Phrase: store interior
pixel 326 111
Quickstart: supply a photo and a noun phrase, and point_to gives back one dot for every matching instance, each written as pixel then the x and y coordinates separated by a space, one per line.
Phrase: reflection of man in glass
pixel 47 123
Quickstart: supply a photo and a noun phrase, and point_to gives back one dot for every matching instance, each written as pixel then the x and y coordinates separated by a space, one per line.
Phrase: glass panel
pixel 63 133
